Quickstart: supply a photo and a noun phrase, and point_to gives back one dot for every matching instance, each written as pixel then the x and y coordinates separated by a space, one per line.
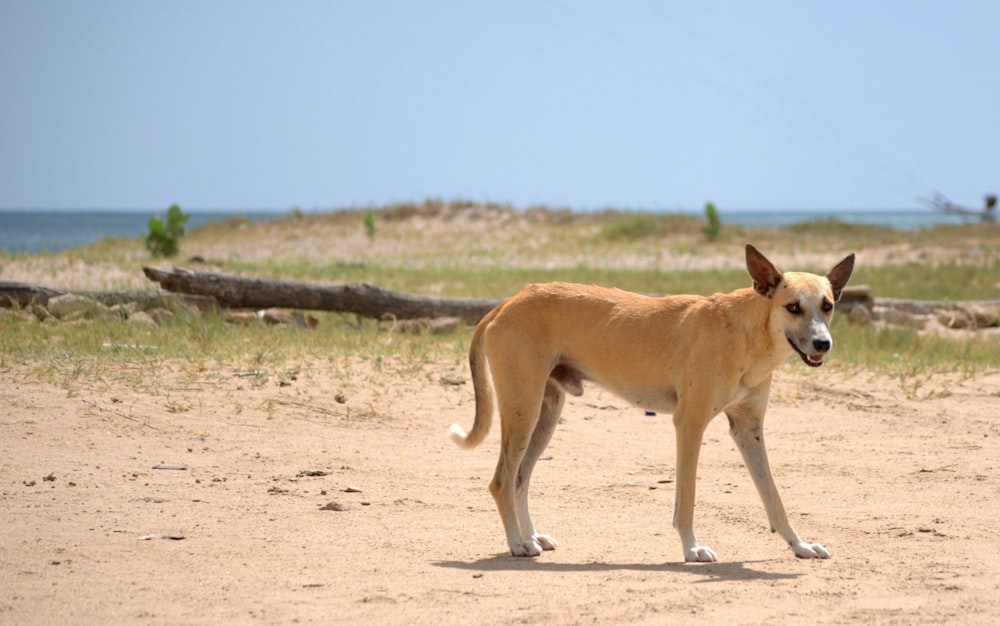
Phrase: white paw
pixel 700 554
pixel 527 548
pixel 805 550
pixel 545 541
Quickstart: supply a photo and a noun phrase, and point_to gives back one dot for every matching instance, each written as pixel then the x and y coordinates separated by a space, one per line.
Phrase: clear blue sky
pixel 645 105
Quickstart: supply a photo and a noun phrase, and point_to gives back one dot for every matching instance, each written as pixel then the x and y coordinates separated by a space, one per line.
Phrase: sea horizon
pixel 37 230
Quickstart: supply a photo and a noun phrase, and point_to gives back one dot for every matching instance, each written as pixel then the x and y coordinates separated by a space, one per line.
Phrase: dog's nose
pixel 821 345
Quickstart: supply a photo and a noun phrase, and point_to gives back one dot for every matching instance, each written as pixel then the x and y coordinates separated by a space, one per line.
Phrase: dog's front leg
pixel 747 429
pixel 689 436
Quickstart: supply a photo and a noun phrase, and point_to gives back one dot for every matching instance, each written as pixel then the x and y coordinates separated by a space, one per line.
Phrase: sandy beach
pixel 187 494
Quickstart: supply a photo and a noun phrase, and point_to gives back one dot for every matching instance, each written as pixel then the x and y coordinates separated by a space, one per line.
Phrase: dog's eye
pixel 793 308
pixel 827 306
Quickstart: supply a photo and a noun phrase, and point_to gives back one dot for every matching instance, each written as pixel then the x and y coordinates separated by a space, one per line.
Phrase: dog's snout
pixel 821 345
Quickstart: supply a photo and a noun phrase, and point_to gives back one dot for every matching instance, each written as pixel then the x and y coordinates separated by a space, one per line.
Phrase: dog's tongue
pixel 815 358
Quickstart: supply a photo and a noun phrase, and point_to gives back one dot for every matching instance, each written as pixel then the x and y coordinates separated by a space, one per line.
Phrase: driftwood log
pixel 359 298
pixel 856 296
pixel 23 295
pixel 371 301
pixel 206 290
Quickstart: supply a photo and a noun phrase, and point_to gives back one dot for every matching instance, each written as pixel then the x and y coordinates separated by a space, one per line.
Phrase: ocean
pixel 31 232
pixel 28 231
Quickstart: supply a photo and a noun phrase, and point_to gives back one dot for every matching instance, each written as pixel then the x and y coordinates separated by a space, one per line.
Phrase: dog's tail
pixel 483 387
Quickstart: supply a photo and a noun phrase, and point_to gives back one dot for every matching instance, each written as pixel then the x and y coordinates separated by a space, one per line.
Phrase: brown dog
pixel 693 356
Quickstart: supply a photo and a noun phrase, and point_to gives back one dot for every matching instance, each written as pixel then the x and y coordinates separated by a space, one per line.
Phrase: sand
pixel 208 496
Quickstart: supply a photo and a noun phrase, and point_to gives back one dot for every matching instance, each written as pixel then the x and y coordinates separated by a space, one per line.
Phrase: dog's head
pixel 802 303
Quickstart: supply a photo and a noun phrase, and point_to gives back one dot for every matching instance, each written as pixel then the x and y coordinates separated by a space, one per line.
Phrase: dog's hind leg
pixel 548 418
pixel 519 409
pixel 746 425
pixel 503 487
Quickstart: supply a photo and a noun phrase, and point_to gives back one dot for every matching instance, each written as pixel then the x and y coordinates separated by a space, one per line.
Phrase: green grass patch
pixel 907 353
pixel 112 347
pixel 460 281
pixel 952 280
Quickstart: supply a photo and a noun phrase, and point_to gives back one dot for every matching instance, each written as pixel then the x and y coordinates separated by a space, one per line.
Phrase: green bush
pixel 164 237
pixel 714 226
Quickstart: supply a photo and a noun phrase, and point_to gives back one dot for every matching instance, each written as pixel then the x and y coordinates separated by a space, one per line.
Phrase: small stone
pixel 73 305
pixel 334 506
pixel 860 316
pixel 443 325
pixel 142 317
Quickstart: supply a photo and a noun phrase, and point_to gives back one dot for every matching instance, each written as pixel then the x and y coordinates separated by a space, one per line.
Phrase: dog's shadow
pixel 707 572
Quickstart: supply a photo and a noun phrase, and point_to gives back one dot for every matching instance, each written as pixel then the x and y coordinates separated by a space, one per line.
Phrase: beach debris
pixel 251 300
pixel 928 315
pixel 240 318
pixel 128 346
pixel 406 501
pixel 275 317
pixel 333 505
pixel 987 214
pixel 170 537
pixel 72 306
pixel 25 295
pixel 160 314
pixel 280 316
pixel 306 473
pixel 365 299
pixel 180 468
pixel 434 326
pixel 860 316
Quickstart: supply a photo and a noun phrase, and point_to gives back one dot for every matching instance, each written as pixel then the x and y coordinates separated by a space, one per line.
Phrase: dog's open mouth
pixel 812 360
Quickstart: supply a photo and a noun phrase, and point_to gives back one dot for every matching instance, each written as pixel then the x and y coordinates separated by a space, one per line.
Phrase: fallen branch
pixel 23 295
pixel 206 289
pixel 359 298
pixel 371 301
pixel 855 296
pixel 926 307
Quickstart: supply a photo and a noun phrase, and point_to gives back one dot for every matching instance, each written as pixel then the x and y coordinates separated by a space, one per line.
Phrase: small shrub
pixel 164 237
pixel 369 221
pixel 714 226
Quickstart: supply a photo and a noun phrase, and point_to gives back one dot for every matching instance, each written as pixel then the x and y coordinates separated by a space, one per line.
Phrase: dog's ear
pixel 840 274
pixel 766 277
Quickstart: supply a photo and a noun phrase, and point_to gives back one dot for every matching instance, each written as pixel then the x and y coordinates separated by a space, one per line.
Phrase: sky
pixel 659 105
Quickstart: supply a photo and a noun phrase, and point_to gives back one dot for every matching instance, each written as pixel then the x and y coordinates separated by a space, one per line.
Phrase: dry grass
pixel 464 249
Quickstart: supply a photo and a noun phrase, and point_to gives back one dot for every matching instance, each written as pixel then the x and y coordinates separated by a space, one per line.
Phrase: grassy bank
pixel 467 250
